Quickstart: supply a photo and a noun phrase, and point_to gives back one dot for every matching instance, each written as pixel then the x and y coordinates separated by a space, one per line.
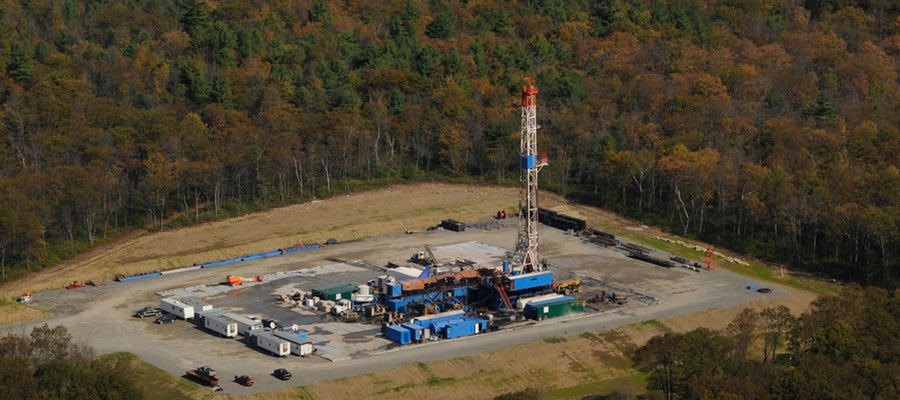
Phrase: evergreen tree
pixel 195 17
pixel 19 66
pixel 443 25
pixel 319 12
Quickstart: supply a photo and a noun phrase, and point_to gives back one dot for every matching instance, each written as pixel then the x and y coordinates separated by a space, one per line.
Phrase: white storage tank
pixel 362 290
pixel 220 324
pixel 177 308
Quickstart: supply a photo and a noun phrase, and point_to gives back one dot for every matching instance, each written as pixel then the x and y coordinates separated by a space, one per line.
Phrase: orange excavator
pixel 235 280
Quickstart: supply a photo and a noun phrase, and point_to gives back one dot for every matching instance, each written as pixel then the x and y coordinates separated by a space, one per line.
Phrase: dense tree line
pixel 47 364
pixel 844 347
pixel 767 126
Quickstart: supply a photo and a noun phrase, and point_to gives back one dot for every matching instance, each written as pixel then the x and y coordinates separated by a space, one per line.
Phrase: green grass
pixel 555 339
pixel 155 383
pixel 632 384
pixel 650 322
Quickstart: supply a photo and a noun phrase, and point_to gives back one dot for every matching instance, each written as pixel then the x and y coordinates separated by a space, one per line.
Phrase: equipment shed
pixel 334 292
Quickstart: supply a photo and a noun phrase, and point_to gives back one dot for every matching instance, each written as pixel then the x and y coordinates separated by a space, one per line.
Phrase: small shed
pixel 334 292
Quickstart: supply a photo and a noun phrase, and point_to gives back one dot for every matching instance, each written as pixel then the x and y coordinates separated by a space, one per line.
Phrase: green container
pixel 560 309
pixel 334 292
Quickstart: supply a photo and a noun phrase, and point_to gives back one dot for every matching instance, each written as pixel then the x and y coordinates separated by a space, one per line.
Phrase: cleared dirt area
pixel 359 215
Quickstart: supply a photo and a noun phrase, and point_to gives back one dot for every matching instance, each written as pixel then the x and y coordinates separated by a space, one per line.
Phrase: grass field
pixel 155 383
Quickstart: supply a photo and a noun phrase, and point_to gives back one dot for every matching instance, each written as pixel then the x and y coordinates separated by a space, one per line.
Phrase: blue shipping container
pixel 397 334
pixel 465 327
pixel 530 281
pixel 415 330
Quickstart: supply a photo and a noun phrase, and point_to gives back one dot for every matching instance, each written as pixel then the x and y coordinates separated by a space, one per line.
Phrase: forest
pixel 48 364
pixel 844 347
pixel 768 127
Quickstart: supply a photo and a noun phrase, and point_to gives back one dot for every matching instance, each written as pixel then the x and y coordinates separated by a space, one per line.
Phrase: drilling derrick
pixel 527 255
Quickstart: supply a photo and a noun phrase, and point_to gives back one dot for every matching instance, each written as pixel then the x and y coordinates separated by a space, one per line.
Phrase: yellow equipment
pixel 570 286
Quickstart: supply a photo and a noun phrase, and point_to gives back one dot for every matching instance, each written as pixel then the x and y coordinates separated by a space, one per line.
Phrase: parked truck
pixel 205 375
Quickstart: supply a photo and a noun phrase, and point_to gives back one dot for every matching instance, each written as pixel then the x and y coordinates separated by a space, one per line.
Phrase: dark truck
pixel 244 380
pixel 282 374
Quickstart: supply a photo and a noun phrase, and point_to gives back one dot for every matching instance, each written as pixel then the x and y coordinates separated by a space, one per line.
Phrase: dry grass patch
pixel 353 216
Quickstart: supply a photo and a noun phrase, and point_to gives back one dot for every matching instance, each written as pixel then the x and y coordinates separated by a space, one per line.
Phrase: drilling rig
pixel 527 255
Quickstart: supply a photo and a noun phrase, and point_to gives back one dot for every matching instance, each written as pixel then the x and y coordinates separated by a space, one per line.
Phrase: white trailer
pixel 521 303
pixel 271 343
pixel 244 325
pixel 220 324
pixel 300 345
pixel 199 306
pixel 177 308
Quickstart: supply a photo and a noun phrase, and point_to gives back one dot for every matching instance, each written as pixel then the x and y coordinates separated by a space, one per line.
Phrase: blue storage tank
pixel 530 281
pixel 397 334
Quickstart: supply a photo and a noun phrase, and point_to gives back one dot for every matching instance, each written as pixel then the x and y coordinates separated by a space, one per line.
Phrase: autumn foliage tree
pixel 766 127
pixel 843 347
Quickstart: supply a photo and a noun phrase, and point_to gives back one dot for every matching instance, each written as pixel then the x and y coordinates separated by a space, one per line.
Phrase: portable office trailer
pixel 199 306
pixel 220 324
pixel 177 308
pixel 271 343
pixel 300 344
pixel 245 325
